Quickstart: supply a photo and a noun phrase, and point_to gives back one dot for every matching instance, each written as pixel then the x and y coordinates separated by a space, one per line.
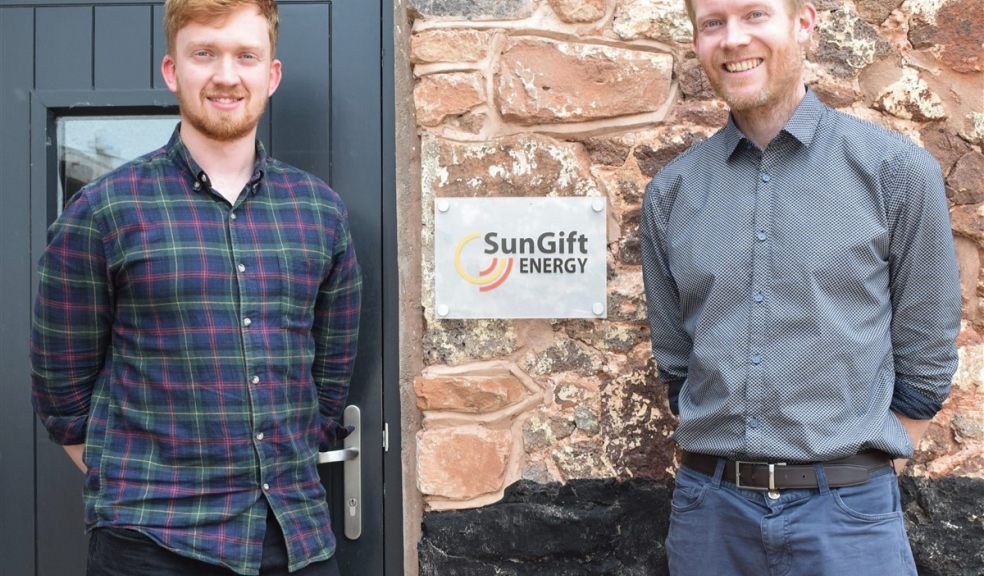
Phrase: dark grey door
pixel 80 90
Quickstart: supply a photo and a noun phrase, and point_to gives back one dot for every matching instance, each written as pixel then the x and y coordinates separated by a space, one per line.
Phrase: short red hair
pixel 178 13
pixel 793 5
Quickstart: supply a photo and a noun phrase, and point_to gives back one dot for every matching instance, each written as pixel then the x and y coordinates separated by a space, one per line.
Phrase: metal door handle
pixel 350 455
pixel 343 455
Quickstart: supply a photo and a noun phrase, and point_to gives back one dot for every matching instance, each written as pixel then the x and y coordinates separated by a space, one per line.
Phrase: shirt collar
pixel 802 125
pixel 182 157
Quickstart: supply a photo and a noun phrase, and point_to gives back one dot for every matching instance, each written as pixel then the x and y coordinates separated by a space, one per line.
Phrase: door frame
pixel 393 548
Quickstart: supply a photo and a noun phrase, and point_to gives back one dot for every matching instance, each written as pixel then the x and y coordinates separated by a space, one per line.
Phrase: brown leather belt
pixel 774 476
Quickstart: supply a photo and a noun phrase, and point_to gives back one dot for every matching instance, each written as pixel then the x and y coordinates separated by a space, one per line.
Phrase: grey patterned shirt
pixel 798 295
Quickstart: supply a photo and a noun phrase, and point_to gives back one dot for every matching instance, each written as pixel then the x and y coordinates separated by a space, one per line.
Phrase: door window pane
pixel 90 146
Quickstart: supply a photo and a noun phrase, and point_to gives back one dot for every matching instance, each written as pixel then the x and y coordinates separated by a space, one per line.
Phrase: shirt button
pixel 259 436
pixel 753 422
pixel 266 486
pixel 255 380
pixel 756 359
pixel 247 321
pixel 197 185
pixel 759 297
pixel 765 178
pixel 241 267
pixel 761 235
pixel 232 216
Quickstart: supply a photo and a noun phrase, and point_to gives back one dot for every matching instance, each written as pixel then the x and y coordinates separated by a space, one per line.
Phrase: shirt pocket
pixel 301 273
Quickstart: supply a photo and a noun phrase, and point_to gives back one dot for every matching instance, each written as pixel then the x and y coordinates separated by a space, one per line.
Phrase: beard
pixel 216 125
pixel 739 102
pixel 783 80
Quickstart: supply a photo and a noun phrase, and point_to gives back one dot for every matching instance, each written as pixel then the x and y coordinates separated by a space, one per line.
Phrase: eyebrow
pixel 738 6
pixel 214 45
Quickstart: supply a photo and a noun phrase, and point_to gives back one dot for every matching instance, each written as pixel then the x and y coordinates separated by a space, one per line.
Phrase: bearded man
pixel 804 301
pixel 196 326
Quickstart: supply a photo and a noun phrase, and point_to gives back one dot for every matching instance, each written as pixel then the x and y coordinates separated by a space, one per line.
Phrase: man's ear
pixel 168 72
pixel 276 74
pixel 806 23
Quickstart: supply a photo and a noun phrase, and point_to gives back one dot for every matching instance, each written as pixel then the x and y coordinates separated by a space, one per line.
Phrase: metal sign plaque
pixel 520 257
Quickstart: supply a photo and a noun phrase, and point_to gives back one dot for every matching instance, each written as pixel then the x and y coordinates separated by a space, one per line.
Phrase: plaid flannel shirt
pixel 201 351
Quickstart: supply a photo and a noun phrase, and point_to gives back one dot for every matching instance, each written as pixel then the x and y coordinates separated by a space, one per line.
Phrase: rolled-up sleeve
pixel 925 284
pixel 72 323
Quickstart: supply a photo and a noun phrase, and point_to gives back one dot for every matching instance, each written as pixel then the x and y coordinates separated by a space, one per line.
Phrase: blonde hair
pixel 179 13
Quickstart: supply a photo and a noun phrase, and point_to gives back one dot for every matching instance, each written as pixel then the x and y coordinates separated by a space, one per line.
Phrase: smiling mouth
pixel 743 65
pixel 225 99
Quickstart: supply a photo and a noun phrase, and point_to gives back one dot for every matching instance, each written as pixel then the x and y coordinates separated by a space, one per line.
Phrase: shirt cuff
pixel 66 430
pixel 332 432
pixel 673 384
pixel 909 401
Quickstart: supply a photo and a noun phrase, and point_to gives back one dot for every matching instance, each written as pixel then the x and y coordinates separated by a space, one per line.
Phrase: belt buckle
pixel 773 492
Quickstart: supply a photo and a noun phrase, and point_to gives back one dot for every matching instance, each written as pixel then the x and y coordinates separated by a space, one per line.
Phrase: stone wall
pixel 592 98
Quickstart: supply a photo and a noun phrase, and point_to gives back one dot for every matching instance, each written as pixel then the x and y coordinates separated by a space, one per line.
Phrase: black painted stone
pixel 579 528
pixel 474 9
pixel 945 521
pixel 605 527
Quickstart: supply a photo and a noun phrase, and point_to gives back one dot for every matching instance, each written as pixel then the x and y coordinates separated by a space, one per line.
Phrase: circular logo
pixel 492 276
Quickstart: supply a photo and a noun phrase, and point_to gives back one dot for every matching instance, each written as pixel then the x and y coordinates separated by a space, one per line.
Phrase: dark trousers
pixel 122 552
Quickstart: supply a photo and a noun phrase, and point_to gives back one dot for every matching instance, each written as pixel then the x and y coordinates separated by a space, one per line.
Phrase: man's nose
pixel 735 35
pixel 225 72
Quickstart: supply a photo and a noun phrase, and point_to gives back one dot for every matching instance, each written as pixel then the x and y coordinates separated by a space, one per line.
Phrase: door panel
pixel 301 125
pixel 77 59
pixel 123 46
pixel 16 420
pixel 63 48
pixel 356 128
pixel 158 47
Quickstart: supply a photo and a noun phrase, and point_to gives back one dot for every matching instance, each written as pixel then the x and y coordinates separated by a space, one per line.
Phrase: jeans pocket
pixel 119 552
pixel 688 493
pixel 873 501
pixel 127 535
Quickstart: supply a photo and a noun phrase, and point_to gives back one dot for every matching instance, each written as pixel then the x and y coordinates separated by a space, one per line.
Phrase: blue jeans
pixel 122 552
pixel 717 529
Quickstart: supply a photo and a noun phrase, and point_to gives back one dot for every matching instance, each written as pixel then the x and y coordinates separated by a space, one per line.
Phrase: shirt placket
pixel 248 254
pixel 758 359
pixel 247 257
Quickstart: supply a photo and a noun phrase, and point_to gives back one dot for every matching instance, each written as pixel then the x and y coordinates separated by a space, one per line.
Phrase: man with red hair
pixel 196 326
